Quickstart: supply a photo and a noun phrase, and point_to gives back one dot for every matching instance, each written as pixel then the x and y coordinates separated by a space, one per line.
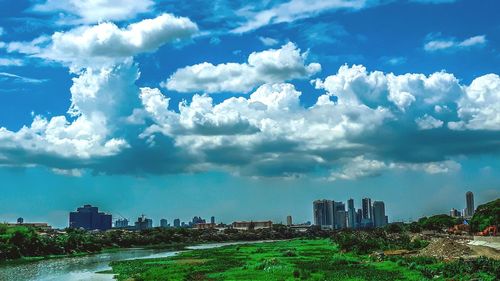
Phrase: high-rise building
pixel 359 217
pixel 339 215
pixel 121 223
pixel 289 220
pixel 367 208
pixel 143 223
pixel 469 198
pixel 454 213
pixel 89 218
pixel 212 219
pixel 323 213
pixel 163 223
pixel 379 219
pixel 351 214
pixel 177 223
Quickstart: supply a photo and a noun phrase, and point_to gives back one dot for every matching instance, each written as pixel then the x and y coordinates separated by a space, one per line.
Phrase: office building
pixel 339 215
pixel 89 218
pixel 323 213
pixel 366 205
pixel 469 198
pixel 212 220
pixel 289 220
pixel 121 223
pixel 177 223
pixel 250 225
pixel 359 217
pixel 351 214
pixel 379 218
pixel 164 223
pixel 454 213
pixel 143 223
pixel 196 220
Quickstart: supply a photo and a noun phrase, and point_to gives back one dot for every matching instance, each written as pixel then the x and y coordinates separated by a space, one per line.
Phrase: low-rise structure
pixel 248 225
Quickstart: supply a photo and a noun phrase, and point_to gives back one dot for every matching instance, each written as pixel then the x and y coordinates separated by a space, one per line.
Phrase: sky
pixel 246 110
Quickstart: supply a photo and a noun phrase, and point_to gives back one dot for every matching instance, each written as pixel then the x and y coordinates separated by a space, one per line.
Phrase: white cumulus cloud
pixel 273 65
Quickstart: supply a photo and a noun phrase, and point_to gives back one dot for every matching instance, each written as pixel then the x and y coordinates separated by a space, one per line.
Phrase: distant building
pixel 205 225
pixel 454 213
pixel 366 205
pixel 359 217
pixel 164 223
pixel 469 198
pixel 197 220
pixel 339 215
pixel 121 223
pixel 177 223
pixel 89 218
pixel 351 214
pixel 323 213
pixel 248 225
pixel 40 226
pixel 212 219
pixel 289 220
pixel 143 223
pixel 379 219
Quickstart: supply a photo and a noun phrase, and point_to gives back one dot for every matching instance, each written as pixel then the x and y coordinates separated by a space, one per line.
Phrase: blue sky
pixel 246 110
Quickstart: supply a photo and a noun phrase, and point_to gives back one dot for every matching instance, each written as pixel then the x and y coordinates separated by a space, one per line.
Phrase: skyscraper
pixel 323 213
pixel 339 215
pixel 379 214
pixel 177 223
pixel 163 223
pixel 351 214
pixel 212 219
pixel 289 220
pixel 469 198
pixel 89 218
pixel 367 208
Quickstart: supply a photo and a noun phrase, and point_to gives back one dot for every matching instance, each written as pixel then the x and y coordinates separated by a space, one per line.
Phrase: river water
pixel 84 268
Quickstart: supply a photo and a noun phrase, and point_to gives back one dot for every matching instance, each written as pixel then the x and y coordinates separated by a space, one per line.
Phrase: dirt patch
pixel 485 251
pixel 445 248
pixel 191 261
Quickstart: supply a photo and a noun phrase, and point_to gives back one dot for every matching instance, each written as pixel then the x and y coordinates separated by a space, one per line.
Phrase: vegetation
pixel 300 259
pixel 284 260
pixel 21 242
pixel 486 215
pixel 437 222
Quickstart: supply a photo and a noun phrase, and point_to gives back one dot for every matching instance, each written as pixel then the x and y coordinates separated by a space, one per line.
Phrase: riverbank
pixel 304 259
pixel 161 246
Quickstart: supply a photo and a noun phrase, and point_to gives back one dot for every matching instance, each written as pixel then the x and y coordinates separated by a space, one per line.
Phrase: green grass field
pixel 284 260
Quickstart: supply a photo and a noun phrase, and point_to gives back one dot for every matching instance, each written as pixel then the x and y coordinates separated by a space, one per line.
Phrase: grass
pixel 283 260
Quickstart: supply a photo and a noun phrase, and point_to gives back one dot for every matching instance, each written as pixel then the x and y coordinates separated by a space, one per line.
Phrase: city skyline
pixel 247 110
pixel 330 220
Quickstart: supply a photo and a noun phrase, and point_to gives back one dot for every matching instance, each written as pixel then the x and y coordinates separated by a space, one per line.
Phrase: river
pixel 84 268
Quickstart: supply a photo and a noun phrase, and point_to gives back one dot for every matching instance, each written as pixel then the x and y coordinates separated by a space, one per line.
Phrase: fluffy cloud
pixel 427 122
pixel 107 41
pixel 106 44
pixel 93 11
pixel 479 108
pixel 363 123
pixel 274 65
pixel 451 44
